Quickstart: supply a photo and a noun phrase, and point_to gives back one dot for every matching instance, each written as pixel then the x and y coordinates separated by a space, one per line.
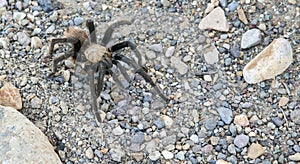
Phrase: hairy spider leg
pixel 93 94
pixel 111 28
pixel 131 45
pixel 142 72
pixel 100 70
pixel 91 27
pixel 72 52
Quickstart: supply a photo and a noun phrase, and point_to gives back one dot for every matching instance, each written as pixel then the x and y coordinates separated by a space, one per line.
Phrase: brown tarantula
pixel 98 58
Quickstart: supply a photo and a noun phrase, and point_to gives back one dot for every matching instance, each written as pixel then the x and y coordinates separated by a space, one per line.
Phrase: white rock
pixel 250 38
pixel 211 55
pixel 4 42
pixel 181 67
pixel 21 141
pixel 36 42
pixel 194 138
pixel 295 157
pixel 272 61
pixel 215 20
pixel 118 131
pixel 155 155
pixel 89 153
pixel 167 120
pixel 167 154
pixel 170 51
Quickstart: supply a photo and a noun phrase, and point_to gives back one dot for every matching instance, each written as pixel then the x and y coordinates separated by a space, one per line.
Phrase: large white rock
pixel 272 61
pixel 215 20
pixel 21 141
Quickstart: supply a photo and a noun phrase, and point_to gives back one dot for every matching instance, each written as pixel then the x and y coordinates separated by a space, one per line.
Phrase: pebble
pixel 138 138
pixel 272 61
pixel 194 138
pixel 170 51
pixel 225 114
pixel 211 55
pixel 46 5
pixel 180 155
pixel 180 66
pixel 36 42
pixel 3 3
pixel 251 38
pixel 221 161
pixel 295 116
pixel 233 6
pixel 283 101
pixel 18 16
pixel 156 48
pixel 117 131
pixel 215 20
pixel 255 150
pixel 223 3
pixel 155 155
pixel 241 141
pixel 207 149
pixel 210 123
pixel 4 42
pixel 50 29
pixel 295 157
pixel 89 153
pixel 10 96
pixel 167 154
pixel 117 154
pixel 23 38
pixel 242 16
pixel 78 21
pixel 241 120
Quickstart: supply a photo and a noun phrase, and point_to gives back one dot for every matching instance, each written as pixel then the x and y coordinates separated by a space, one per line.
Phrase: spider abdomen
pixel 95 53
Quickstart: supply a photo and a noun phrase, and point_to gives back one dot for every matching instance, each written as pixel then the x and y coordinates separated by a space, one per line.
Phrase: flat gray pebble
pixel 225 114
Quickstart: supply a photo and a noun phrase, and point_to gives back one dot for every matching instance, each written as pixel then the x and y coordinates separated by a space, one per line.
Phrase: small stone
pixel 137 156
pixel 255 150
pixel 117 131
pixel 225 114
pixel 295 116
pixel 293 2
pixel 233 5
pixel 250 38
pixel 36 103
pixel 156 48
pixel 165 3
pixel 223 3
pixel 241 141
pixel 117 154
pixel 272 61
pixel 241 120
pixel 242 16
pixel 18 16
pixel 194 138
pixel 10 96
pixel 295 157
pixel 207 78
pixel 283 101
pixel 89 153
pixel 4 42
pixel 67 75
pixel 207 149
pixel 23 38
pixel 50 29
pixel 221 161
pixel 215 20
pixel 181 67
pixel 78 21
pixel 36 42
pixel 155 155
pixel 180 155
pixel 170 51
pixel 211 55
pixel 210 123
pixel 167 154
pixel 3 3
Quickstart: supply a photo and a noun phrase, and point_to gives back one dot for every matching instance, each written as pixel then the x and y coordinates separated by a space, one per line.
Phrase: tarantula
pixel 98 58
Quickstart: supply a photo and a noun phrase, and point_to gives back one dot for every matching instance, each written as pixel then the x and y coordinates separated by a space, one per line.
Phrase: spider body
pixel 98 59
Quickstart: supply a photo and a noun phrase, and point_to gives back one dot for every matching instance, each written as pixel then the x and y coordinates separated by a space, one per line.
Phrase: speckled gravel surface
pixel 213 114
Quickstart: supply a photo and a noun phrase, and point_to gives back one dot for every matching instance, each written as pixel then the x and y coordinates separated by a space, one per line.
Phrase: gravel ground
pixel 213 113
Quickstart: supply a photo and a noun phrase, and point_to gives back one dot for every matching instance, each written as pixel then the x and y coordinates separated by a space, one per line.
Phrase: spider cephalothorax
pixel 99 59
